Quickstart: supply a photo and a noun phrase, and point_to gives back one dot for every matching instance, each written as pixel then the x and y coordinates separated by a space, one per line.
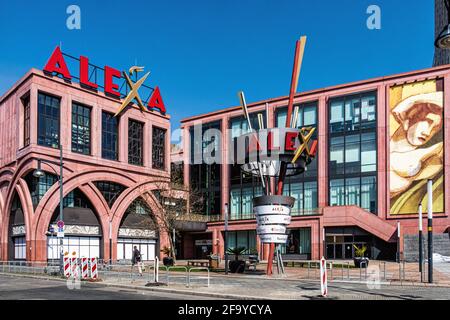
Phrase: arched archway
pixel 16 230
pixel 83 230
pixel 15 223
pixel 138 228
pixel 144 191
pixel 84 181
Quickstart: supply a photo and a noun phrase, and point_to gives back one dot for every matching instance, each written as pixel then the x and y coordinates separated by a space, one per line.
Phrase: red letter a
pixel 57 64
pixel 156 101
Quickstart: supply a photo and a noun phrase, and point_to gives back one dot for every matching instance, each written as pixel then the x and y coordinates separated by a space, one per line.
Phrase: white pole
pixel 430 199
pixel 156 269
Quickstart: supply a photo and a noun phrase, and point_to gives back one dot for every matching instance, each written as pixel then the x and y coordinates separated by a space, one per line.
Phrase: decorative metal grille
pixel 158 152
pixel 135 142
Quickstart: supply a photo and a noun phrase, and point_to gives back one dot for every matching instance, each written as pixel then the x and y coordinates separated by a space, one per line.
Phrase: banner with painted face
pixel 416 125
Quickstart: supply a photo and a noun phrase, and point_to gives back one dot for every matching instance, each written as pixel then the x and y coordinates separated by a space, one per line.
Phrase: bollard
pixel 156 269
pixel 331 271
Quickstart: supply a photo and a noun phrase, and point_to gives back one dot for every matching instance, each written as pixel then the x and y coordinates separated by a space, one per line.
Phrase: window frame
pixel 344 133
pixel 84 107
pixel 163 165
pixel 137 160
pixel 103 151
pixel 26 108
pixel 45 94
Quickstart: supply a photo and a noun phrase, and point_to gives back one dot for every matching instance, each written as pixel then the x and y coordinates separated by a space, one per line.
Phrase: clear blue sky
pixel 201 53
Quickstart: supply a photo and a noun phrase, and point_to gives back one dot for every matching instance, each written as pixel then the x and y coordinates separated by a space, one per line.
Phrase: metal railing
pixel 198 269
pixel 382 270
pixel 186 274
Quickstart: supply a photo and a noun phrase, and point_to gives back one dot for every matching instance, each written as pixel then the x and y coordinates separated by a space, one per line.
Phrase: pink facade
pixel 383 225
pixel 80 171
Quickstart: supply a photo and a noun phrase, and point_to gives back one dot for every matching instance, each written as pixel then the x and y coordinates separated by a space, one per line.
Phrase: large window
pixel 110 149
pixel 20 248
pixel 302 187
pixel 159 148
pixel 205 177
pixel 48 120
pixel 305 195
pixel 26 120
pixel 135 142
pixel 88 247
pixel 245 239
pixel 81 128
pixel 243 187
pixel 298 243
pixel 110 190
pixel 352 151
pixel 39 186
pixel 241 205
pixel 145 246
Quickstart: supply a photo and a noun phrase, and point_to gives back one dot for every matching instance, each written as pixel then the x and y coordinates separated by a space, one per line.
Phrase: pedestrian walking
pixel 137 260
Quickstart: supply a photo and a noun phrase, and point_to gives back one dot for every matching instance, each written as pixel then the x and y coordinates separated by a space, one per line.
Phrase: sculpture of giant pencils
pixel 293 153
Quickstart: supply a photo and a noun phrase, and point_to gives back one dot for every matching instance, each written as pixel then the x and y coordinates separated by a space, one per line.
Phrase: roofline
pixel 320 90
pixel 39 73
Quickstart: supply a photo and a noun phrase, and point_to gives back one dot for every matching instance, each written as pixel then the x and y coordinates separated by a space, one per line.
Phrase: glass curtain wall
pixel 302 187
pixel 352 151
pixel 243 187
pixel 206 177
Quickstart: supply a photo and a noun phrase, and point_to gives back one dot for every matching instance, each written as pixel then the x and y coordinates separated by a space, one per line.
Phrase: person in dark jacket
pixel 136 259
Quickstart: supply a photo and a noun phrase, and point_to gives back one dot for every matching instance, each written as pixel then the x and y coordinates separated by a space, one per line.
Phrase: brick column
pixel 186 156
pixel 96 135
pixel 33 114
pixel 322 155
pixel 123 139
pixel 225 174
pixel 382 152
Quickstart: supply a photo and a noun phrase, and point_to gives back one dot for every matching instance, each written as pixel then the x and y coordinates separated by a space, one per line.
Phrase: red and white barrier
pixel 84 268
pixel 323 277
pixel 67 269
pixel 75 268
pixel 94 271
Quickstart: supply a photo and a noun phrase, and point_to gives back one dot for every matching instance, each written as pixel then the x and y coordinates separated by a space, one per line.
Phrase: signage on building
pixel 56 65
pixel 264 150
pixel 203 242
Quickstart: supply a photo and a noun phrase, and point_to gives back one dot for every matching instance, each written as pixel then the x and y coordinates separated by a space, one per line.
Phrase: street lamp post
pixel 38 173
pixel 110 242
pixel 430 230
pixel 225 238
pixel 443 39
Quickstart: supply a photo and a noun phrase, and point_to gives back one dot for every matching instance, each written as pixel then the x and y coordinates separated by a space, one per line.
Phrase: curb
pixel 108 284
pixel 385 283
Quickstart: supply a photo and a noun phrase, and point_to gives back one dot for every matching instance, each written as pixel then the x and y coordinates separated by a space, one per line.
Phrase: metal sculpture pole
pixel 298 58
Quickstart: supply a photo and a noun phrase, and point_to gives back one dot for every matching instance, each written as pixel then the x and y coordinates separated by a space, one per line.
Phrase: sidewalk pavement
pixel 343 270
pixel 346 283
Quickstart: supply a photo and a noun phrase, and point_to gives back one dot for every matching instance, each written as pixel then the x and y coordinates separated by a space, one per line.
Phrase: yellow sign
pixel 133 94
pixel 304 135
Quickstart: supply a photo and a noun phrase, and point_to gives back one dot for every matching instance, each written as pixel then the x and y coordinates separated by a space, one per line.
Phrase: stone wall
pixel 441 245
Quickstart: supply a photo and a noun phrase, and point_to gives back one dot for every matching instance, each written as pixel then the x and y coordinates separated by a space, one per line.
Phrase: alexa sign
pixel 57 65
